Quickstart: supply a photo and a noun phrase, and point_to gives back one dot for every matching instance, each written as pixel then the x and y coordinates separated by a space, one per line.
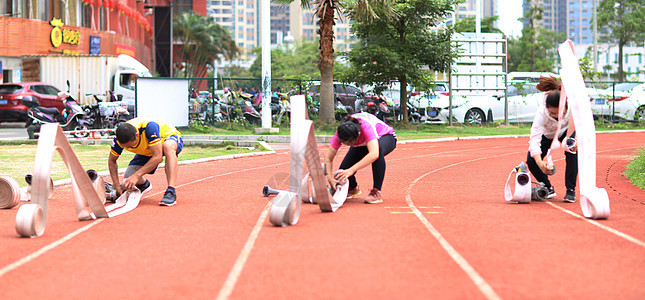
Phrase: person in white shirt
pixel 543 131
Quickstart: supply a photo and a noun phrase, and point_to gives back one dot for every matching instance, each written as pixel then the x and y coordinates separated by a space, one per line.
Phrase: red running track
pixel 443 232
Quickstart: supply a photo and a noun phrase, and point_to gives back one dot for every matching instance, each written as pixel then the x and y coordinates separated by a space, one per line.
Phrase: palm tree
pixel 203 41
pixel 325 11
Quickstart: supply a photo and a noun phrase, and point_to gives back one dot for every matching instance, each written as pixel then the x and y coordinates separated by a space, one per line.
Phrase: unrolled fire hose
pixel 89 197
pixel 594 201
pixel 285 209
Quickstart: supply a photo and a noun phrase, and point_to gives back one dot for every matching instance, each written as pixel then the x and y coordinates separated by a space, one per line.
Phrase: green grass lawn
pixel 406 132
pixel 19 158
pixel 635 171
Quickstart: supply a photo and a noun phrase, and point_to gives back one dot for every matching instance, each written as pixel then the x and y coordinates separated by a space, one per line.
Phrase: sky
pixel 509 12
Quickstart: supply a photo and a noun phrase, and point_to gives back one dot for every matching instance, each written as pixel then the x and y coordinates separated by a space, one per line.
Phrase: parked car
pixel 533 77
pixel 347 94
pixel 523 102
pixel 11 94
pixel 625 101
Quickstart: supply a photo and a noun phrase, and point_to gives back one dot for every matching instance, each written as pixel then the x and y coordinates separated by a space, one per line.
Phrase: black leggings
pixel 571 172
pixel 386 144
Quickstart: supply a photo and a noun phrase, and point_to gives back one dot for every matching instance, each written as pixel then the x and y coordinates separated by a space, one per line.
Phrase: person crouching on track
pixel 542 134
pixel 369 140
pixel 151 141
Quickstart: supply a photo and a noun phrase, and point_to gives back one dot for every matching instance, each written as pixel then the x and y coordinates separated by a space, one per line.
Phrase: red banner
pixel 127 50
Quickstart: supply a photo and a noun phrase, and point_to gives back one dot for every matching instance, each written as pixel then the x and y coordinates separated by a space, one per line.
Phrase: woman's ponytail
pixel 552 87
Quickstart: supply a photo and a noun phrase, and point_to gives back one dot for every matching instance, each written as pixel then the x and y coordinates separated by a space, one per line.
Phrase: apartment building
pixel 468 9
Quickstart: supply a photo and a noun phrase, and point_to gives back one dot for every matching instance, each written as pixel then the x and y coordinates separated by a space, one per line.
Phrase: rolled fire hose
pixel 594 201
pixel 285 209
pixel 522 191
pixel 89 197
pixel 9 192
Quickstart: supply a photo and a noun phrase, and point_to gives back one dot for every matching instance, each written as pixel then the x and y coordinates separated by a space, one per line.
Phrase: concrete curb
pixel 250 138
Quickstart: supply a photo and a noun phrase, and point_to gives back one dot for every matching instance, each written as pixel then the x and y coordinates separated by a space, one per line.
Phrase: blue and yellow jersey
pixel 151 132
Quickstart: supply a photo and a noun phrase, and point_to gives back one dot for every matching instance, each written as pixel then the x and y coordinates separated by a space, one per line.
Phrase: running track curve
pixel 443 232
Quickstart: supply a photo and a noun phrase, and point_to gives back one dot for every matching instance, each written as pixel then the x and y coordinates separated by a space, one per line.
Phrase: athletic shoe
pixel 374 197
pixel 352 193
pixel 551 192
pixel 145 187
pixel 169 198
pixel 570 196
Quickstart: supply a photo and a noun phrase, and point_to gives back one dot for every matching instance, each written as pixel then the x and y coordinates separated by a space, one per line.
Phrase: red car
pixel 11 94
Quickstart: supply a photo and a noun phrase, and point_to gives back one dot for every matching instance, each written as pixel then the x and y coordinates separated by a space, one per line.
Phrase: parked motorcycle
pixel 341 110
pixel 106 115
pixel 414 113
pixel 70 119
pixel 242 101
pixel 250 113
pixel 378 105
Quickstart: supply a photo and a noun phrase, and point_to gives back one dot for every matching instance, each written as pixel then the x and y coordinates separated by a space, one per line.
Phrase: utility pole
pixel 595 36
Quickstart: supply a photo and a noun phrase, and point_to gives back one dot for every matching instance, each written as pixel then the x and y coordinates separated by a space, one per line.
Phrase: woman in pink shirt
pixel 370 140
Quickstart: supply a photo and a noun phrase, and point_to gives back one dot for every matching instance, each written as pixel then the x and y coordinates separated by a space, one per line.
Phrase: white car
pixel 619 101
pixel 523 102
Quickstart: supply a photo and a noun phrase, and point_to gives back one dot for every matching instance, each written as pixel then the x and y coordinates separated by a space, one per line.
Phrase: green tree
pixel 487 25
pixel 233 71
pixel 589 73
pixel 325 13
pixel 624 20
pixel 299 60
pixel 202 42
pixel 514 53
pixel 537 46
pixel 405 46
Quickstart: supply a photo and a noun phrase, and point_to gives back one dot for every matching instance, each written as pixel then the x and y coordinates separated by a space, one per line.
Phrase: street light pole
pixel 265 32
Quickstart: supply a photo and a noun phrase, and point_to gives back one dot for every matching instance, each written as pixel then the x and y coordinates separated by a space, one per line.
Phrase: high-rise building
pixel 468 9
pixel 574 18
pixel 554 16
pixel 241 18
pixel 304 28
pixel 280 23
pixel 579 20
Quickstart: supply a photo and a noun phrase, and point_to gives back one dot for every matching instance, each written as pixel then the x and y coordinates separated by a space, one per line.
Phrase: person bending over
pixel 542 134
pixel 151 141
pixel 369 140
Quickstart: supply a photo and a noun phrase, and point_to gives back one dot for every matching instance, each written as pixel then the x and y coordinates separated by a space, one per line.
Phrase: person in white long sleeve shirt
pixel 543 131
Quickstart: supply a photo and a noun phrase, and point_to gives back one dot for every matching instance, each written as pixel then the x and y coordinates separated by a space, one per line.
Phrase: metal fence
pixel 239 100
pixel 610 101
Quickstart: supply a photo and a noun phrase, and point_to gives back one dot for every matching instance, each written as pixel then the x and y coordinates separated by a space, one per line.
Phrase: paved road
pixel 12 131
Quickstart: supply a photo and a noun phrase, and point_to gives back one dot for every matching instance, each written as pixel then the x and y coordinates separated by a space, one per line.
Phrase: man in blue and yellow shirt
pixel 151 141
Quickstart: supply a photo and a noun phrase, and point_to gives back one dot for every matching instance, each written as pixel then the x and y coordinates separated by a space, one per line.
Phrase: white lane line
pixel 596 223
pixel 605 227
pixel 479 281
pixel 235 272
pixel 66 238
pixel 484 287
pixel 51 246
